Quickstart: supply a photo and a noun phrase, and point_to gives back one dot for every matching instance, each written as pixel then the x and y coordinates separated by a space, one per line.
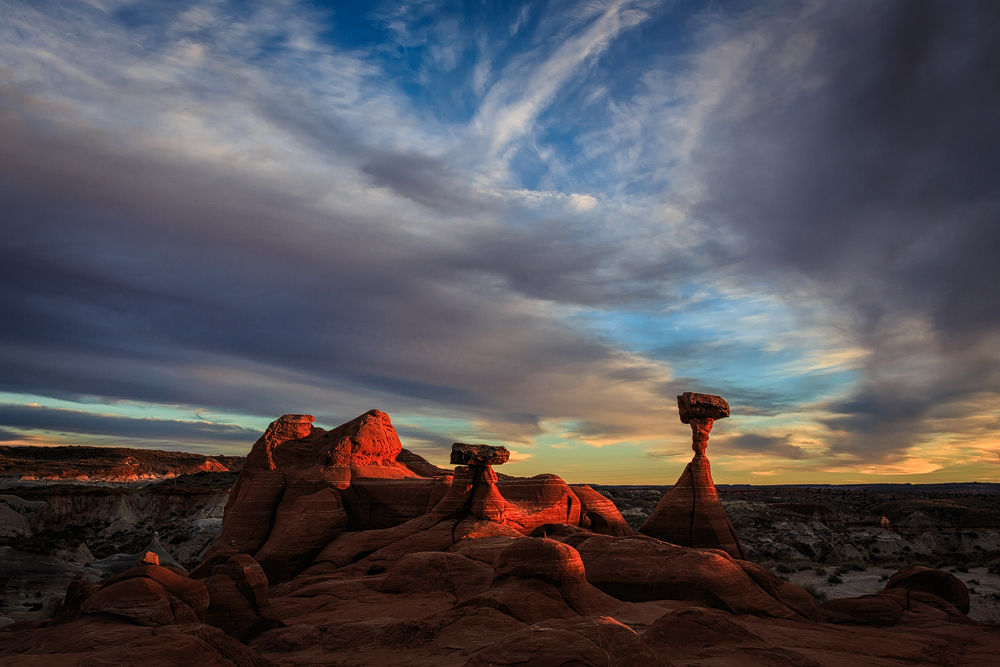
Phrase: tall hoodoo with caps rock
pixel 691 514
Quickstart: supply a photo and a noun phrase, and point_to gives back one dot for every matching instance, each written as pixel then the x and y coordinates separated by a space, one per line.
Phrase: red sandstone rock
pixel 602 515
pixel 301 528
pixel 700 406
pixel 349 548
pixel 718 638
pixel 146 595
pixel 527 600
pixel 936 582
pixel 539 500
pixel 439 572
pixel 239 604
pixel 296 470
pixel 587 642
pixel 140 600
pixel 545 559
pixel 691 515
pixel 148 558
pixel 478 455
pixel 639 568
pixel 697 628
pixel 249 513
pixel 892 607
pixel 375 503
pixel 538 579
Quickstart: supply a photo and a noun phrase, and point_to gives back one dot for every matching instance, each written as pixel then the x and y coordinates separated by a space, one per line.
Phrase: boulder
pixel 148 595
pixel 478 455
pixel 148 558
pixel 691 405
pixel 141 600
pixel 538 579
pixel 602 516
pixel 896 606
pixel 539 500
pixel 239 604
pixel 936 582
pixel 637 569
pixel 541 558
pixel 583 642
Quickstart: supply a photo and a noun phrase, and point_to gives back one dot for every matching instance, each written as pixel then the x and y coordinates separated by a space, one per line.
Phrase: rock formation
pixel 690 514
pixel 302 487
pixel 377 559
pixel 943 584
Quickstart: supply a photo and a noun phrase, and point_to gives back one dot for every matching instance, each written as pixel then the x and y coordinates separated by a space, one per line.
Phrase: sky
pixel 530 224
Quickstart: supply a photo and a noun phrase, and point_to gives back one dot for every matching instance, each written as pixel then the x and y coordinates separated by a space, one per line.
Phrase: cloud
pixel 756 443
pixel 9 436
pixel 792 204
pixel 78 421
pixel 849 148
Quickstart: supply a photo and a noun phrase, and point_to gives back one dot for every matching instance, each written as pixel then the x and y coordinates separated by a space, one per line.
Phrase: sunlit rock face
pixel 303 486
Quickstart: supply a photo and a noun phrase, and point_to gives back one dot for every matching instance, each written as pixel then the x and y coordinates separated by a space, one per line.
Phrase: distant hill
pixel 114 465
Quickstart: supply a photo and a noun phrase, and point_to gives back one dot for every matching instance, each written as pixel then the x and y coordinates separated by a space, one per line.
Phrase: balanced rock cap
pixel 478 455
pixel 693 406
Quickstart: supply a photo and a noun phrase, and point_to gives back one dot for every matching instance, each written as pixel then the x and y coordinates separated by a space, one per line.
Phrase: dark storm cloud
pixel 428 181
pixel 861 149
pixel 9 436
pixel 765 444
pixel 124 274
pixel 77 421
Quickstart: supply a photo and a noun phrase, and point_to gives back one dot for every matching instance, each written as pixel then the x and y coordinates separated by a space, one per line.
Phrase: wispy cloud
pixel 539 223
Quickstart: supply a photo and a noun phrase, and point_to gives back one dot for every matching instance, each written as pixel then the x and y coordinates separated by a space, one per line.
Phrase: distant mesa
pixel 26 466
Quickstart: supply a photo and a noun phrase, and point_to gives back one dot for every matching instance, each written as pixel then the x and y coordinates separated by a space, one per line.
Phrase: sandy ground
pixel 984 588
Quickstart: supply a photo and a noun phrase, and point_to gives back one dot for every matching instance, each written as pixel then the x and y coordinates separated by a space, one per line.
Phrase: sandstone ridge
pixel 339 547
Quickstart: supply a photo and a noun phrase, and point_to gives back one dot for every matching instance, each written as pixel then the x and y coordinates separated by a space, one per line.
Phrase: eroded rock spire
pixel 690 514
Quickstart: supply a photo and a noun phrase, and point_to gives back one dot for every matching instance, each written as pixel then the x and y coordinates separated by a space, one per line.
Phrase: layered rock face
pixel 38 465
pixel 470 571
pixel 302 486
pixel 691 514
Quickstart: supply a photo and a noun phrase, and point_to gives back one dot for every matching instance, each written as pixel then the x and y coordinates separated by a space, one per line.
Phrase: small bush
pixel 852 566
pixel 820 571
pixel 993 567
pixel 784 569
pixel 834 579
pixel 818 595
